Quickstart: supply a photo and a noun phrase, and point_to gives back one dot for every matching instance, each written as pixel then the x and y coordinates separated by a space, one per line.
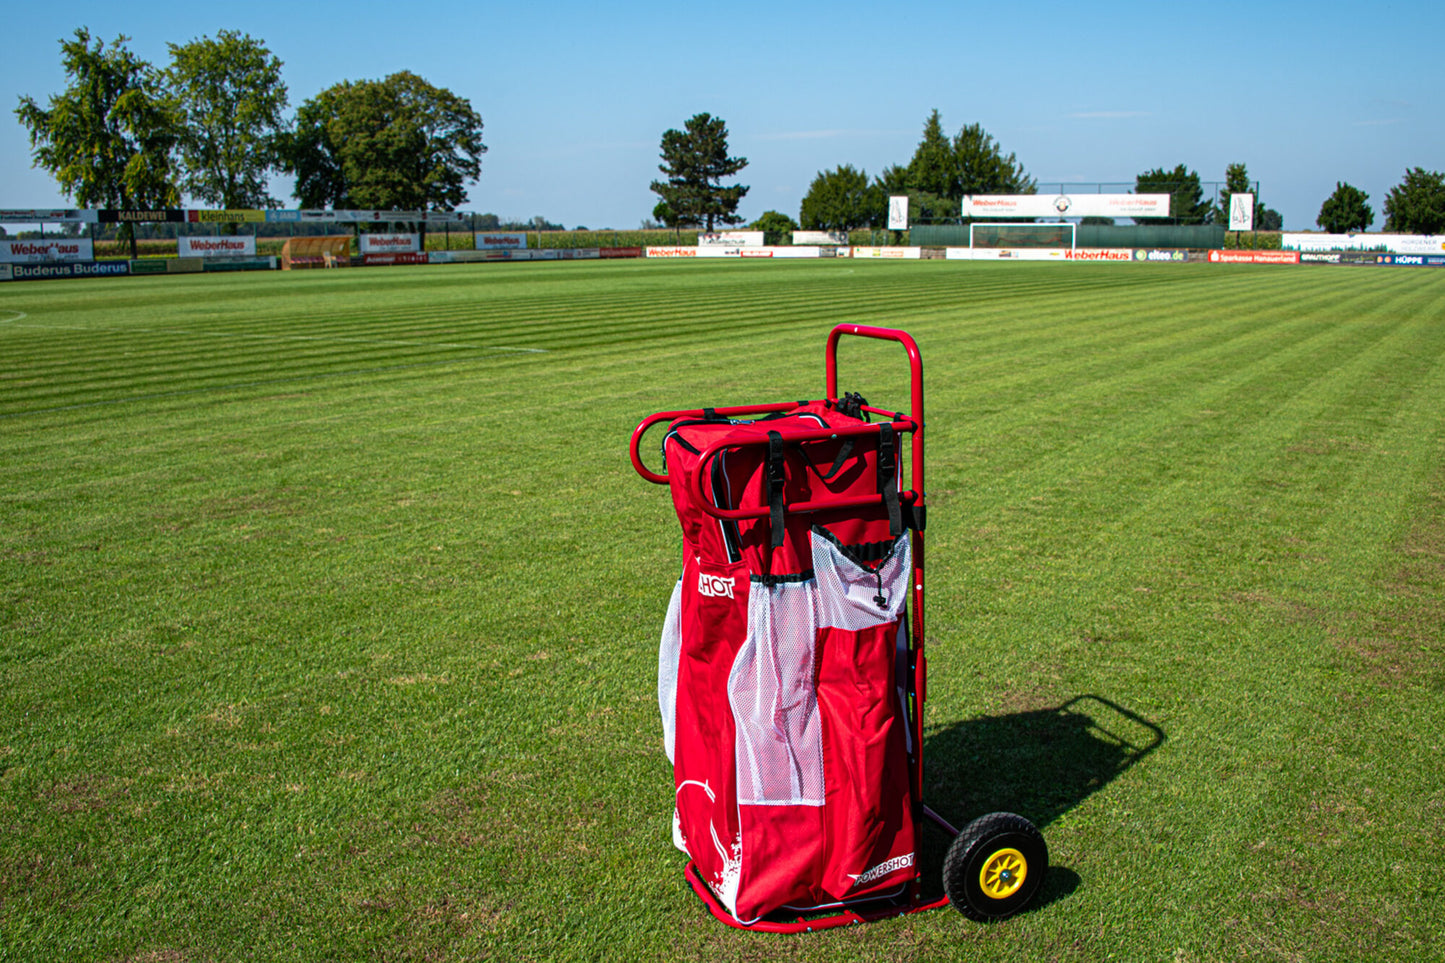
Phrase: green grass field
pixel 330 604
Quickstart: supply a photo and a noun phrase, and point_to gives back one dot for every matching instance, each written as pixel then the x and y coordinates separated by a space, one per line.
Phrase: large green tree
pixel 1345 211
pixel 393 144
pixel 695 160
pixel 1187 204
pixel 1416 205
pixel 108 139
pixel 230 97
pixel 943 170
pixel 776 226
pixel 840 200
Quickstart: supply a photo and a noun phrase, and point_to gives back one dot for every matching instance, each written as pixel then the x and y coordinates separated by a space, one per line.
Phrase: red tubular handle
pixel 694 479
pixel 650 420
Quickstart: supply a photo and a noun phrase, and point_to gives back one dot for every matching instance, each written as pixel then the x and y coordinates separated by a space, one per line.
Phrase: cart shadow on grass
pixel 1039 764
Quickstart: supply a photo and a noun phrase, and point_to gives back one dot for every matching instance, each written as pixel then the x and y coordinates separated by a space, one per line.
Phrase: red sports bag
pixel 784 668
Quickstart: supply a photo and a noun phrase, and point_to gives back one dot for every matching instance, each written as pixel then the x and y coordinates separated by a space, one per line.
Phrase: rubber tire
pixel 973 848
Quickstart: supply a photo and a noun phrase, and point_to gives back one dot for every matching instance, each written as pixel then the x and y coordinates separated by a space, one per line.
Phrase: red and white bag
pixel 783 669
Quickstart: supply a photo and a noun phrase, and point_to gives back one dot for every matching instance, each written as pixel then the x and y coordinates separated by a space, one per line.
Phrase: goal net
pixel 984 234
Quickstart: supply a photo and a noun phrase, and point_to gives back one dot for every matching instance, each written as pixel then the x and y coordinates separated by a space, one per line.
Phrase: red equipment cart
pixel 792 675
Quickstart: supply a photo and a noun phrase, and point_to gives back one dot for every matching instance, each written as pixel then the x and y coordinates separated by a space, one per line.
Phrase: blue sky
pixel 575 96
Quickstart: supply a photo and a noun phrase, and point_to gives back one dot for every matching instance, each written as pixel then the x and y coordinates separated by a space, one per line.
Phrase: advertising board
pixel 150 216
pixel 390 243
pixel 489 242
pixel 1253 257
pixel 1003 254
pixel 1318 257
pixel 1241 212
pixel 83 269
pixel 1100 254
pixel 1384 243
pixel 820 237
pixel 1169 256
pixel 47 216
pixel 221 264
pixel 731 239
pixel 887 253
pixel 47 249
pixel 226 217
pixel 240 245
pixel 1414 260
pixel 367 217
pixel 620 252
pixel 898 212
pixel 672 252
pixel 1066 205
pixel 6 274
pixel 400 257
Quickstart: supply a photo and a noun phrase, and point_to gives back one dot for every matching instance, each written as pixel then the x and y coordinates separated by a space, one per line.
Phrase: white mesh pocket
pixel 849 593
pixel 774 699
pixel 669 652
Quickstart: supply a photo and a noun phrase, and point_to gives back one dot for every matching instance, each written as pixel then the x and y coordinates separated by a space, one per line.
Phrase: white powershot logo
pixel 882 869
pixel 714 586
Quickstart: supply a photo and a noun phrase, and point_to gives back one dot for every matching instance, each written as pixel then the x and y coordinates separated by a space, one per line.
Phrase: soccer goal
pixel 1056 235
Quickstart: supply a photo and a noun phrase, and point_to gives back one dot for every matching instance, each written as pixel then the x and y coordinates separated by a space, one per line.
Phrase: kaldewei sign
pixel 241 245
pixel 1066 205
pixel 731 239
pixel 390 243
pixel 40 251
pixel 486 242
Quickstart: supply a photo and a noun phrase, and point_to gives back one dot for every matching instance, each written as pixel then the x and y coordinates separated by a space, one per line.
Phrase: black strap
pixel 776 475
pixel 888 477
pixel 845 451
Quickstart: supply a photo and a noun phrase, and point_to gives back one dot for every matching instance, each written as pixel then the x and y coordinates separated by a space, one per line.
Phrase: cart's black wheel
pixel 994 867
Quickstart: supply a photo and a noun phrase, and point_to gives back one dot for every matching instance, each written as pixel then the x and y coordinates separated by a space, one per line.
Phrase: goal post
pixel 1022 234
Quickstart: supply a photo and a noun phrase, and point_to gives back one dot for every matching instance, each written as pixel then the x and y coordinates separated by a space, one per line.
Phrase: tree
pixel 1345 211
pixel 776 226
pixel 932 169
pixel 230 96
pixel 942 171
pixel 393 144
pixel 695 161
pixel 1236 181
pixel 981 167
pixel 107 140
pixel 840 200
pixel 1186 203
pixel 1416 205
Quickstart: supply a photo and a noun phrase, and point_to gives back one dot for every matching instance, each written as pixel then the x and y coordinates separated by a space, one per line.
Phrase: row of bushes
pixel 1251 240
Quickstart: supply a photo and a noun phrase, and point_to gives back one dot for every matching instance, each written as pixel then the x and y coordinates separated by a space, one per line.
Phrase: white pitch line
pixel 19 315
pixel 284 337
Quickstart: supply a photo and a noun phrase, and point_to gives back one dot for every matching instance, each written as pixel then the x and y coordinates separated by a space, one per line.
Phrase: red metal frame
pixel 911 424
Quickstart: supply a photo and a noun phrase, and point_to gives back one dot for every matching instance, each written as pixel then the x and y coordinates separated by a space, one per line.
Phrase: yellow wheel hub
pixel 1003 874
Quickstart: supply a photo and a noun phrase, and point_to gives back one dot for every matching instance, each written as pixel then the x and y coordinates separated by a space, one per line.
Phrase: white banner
pixel 1393 243
pixel 820 237
pixel 898 213
pixel 1066 205
pixel 1241 212
pixel 47 249
pixel 47 216
pixel 672 252
pixel 890 253
pixel 1004 253
pixel 241 245
pixel 510 241
pixel 390 243
pixel 731 239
